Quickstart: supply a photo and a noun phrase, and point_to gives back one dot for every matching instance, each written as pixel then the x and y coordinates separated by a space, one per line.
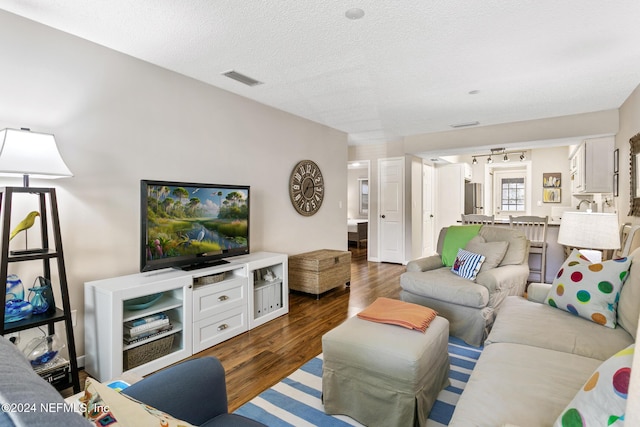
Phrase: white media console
pixel 205 307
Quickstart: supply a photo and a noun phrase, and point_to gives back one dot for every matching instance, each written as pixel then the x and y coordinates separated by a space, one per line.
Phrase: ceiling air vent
pixel 464 125
pixel 241 78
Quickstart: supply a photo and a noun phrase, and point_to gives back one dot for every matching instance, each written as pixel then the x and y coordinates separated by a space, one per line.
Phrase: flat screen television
pixel 189 225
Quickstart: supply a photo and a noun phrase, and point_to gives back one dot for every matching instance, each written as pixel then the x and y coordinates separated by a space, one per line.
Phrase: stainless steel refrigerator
pixel 473 198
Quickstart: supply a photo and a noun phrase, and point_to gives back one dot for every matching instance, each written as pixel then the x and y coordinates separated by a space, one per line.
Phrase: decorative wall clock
pixel 306 187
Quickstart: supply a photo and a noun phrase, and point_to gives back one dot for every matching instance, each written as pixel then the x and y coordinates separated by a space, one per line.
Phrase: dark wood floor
pixel 260 358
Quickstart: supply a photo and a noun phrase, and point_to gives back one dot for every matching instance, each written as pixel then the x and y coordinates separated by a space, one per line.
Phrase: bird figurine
pixel 25 224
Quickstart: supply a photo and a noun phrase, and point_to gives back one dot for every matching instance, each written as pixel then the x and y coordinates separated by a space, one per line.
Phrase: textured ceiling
pixel 406 68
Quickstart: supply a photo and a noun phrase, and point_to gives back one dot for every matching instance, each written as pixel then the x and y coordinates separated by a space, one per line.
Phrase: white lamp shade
pixel 589 230
pixel 30 153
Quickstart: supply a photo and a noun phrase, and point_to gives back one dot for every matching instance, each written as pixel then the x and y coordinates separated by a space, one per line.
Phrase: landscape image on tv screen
pixel 185 221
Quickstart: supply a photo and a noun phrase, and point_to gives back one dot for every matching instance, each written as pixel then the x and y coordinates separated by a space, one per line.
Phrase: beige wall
pixel 522 134
pixel 629 126
pixel 118 120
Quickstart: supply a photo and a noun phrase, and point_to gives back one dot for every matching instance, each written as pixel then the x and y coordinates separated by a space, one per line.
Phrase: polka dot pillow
pixel 589 290
pixel 602 400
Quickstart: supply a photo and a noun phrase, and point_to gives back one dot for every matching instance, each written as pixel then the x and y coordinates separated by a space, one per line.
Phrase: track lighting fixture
pixel 496 152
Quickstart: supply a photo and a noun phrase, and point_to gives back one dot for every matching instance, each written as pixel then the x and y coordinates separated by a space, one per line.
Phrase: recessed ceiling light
pixel 354 13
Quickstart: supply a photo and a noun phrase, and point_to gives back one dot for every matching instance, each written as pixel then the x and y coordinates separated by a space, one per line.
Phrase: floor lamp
pixel 590 232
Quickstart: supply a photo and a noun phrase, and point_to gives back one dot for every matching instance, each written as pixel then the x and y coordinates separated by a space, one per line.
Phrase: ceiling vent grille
pixel 242 78
pixel 464 125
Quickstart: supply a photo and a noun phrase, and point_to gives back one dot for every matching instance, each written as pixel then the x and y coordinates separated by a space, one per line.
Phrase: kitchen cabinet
pixel 591 166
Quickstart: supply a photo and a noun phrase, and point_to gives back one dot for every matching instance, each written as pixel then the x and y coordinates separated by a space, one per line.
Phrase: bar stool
pixel 535 228
pixel 477 219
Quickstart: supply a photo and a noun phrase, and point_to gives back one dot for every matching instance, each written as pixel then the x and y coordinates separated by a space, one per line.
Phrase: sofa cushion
pixel 457 237
pixel 602 400
pixel 589 290
pixel 521 385
pixel 467 264
pixel 629 304
pixel 493 252
pixel 105 406
pixel 531 323
pixel 518 243
pixel 442 285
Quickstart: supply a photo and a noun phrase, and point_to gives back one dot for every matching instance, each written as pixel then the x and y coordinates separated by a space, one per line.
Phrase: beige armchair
pixel 470 306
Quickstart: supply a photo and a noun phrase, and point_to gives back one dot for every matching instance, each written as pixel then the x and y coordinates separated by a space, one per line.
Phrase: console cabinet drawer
pixel 215 329
pixel 213 299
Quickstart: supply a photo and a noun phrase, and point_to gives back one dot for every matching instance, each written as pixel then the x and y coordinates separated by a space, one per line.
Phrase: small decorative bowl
pixel 42 350
pixel 141 303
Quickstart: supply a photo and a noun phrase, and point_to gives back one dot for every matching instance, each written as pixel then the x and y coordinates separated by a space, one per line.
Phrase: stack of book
pixel 146 327
pixel 56 371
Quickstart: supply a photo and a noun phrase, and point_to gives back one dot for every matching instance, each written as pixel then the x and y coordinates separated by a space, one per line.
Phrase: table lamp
pixel 589 232
pixel 30 154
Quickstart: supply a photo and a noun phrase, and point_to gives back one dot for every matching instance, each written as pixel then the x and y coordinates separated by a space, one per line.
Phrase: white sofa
pixel 537 358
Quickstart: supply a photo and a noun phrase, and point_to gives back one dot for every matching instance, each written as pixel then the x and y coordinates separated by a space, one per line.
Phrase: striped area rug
pixel 296 400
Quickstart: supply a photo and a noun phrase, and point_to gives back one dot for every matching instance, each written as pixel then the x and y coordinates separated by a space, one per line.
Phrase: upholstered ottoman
pixel 384 375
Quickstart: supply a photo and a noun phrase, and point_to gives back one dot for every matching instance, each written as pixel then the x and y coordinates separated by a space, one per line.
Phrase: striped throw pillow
pixel 467 264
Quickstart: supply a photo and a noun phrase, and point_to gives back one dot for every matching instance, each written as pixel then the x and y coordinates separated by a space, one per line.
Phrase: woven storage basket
pixel 147 352
pixel 207 280
pixel 319 271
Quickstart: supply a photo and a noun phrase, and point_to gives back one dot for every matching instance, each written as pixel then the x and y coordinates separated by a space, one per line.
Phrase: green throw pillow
pixel 456 238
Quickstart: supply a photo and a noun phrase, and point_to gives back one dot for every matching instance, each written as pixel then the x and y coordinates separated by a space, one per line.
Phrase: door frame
pixel 489 184
pixel 428 224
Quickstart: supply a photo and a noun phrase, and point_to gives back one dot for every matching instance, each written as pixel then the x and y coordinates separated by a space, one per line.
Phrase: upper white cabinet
pixel 591 166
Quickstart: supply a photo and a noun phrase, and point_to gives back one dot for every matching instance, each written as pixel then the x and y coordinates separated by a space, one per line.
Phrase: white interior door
pixel 391 209
pixel 428 222
pixel 509 193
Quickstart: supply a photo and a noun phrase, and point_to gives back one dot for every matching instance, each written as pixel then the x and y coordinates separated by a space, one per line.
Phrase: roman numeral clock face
pixel 306 187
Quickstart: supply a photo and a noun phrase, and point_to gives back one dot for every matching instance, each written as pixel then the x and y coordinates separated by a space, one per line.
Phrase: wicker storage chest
pixel 319 271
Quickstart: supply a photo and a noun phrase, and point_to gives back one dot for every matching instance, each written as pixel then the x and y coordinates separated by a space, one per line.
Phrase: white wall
pixel 118 120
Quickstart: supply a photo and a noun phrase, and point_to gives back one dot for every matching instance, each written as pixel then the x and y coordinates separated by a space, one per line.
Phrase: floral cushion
pixel 589 290
pixel 104 406
pixel 467 264
pixel 603 398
